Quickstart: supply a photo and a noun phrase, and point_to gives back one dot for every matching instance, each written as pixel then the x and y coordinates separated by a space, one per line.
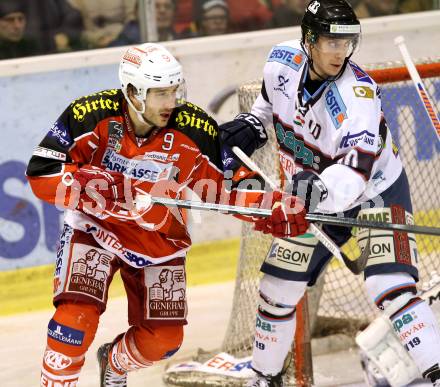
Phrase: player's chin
pixel 163 121
pixel 334 70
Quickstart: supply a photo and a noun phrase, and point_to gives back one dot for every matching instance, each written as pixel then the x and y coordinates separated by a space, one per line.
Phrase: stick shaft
pixel 324 219
pixel 195 205
pixel 351 222
pixel 421 90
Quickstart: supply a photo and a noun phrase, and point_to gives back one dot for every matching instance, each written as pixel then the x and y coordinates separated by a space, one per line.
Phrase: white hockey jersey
pixel 339 132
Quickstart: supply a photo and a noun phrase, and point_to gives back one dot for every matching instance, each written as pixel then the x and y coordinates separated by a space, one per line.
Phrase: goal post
pixel 339 299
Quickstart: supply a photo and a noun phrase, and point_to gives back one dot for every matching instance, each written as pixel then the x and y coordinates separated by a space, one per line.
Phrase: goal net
pixel 339 299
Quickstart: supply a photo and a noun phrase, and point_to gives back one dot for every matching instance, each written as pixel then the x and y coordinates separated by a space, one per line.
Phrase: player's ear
pixel 134 96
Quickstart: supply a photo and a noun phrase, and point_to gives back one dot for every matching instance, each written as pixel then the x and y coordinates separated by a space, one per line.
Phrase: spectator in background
pixel 184 15
pixel 103 20
pixel 212 18
pixel 244 15
pixel 406 6
pixel 288 14
pixel 165 12
pixel 13 42
pixel 56 25
pixel 250 15
pixel 371 8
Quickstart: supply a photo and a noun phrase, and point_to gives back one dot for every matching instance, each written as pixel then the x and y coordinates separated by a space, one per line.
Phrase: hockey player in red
pixel 104 152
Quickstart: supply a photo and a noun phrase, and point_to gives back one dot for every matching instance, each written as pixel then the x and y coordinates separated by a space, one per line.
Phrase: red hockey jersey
pixel 96 130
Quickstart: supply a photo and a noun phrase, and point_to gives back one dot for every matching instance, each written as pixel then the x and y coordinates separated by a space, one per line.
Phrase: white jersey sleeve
pixel 262 106
pixel 263 110
pixel 344 187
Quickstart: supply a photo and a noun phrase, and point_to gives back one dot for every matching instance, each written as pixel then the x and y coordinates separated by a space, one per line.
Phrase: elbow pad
pixel 310 188
pixel 344 187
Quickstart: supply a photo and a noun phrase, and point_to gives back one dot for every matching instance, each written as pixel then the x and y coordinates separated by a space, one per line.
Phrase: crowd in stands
pixel 29 27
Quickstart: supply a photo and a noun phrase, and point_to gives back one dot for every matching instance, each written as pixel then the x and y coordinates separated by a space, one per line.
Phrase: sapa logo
pixel 296 146
pixel 404 320
pixel 313 8
pixel 264 325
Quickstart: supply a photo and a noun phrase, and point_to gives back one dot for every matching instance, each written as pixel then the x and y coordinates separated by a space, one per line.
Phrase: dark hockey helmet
pixel 333 18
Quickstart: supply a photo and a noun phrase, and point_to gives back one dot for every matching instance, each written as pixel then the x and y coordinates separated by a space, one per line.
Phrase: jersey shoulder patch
pixel 84 113
pixel 335 105
pixel 288 56
pixel 96 107
pixel 200 127
pixel 359 92
pixel 360 74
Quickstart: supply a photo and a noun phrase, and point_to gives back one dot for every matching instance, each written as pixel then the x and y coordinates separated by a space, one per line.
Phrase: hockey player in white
pixel 336 152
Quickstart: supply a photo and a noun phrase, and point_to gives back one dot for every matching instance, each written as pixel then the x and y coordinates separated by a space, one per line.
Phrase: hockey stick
pixel 356 266
pixel 352 222
pixel 399 41
pixel 263 212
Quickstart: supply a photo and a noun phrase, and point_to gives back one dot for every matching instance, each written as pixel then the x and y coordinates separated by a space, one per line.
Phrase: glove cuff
pixel 258 126
pixel 310 188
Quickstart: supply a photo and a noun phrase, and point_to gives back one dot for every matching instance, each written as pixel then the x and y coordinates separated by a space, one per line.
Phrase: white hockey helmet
pixel 147 66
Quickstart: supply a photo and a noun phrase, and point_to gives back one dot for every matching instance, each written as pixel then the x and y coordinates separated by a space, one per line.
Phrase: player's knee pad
pixel 391 291
pixel 72 328
pixel 70 333
pixel 278 297
pixel 159 342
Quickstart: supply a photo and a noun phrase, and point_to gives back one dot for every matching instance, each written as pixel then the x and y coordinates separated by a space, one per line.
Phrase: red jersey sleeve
pixel 69 144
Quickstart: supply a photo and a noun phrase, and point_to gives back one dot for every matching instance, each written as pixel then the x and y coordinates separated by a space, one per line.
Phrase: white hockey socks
pixel 275 324
pixel 418 330
pixel 273 341
pixel 414 325
pixel 124 355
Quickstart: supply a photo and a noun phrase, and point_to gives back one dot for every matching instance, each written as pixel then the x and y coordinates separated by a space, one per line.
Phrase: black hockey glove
pixel 245 131
pixel 309 187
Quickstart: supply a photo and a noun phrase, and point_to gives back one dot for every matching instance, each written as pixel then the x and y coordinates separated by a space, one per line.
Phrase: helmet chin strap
pixel 312 69
pixel 139 113
pixel 144 120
